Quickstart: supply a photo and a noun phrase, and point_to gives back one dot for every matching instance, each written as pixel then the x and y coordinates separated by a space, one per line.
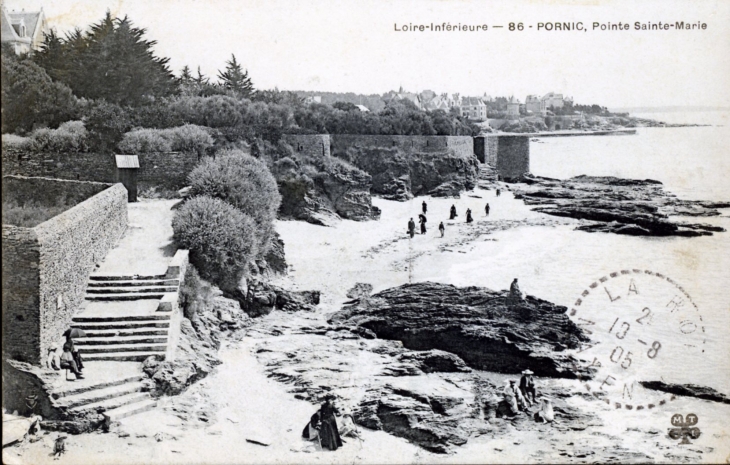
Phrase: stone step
pixel 129 410
pixel 122 297
pixel 121 348
pixel 109 333
pixel 94 341
pixel 123 356
pixel 113 403
pixel 121 277
pixel 109 319
pixel 130 290
pixel 141 282
pixel 98 395
pixel 121 325
pixel 77 390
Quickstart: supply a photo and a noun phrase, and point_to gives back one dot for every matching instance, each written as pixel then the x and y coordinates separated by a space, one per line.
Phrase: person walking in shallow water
pixel 442 228
pixel 411 228
pixel 424 207
pixel 453 212
pixel 486 209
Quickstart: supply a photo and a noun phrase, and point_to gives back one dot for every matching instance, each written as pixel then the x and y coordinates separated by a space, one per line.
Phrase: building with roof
pixel 540 105
pixel 363 108
pixel 23 30
pixel 403 95
pixel 474 108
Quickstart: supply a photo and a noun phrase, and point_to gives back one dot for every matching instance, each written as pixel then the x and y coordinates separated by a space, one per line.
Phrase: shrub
pixel 244 182
pixel 145 141
pixel 106 123
pixel 221 239
pixel 189 138
pixel 13 141
pixel 69 137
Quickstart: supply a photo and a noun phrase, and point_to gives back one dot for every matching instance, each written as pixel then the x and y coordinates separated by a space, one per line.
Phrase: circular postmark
pixel 642 326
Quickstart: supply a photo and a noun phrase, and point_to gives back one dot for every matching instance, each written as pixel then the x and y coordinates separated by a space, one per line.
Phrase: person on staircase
pixel 68 362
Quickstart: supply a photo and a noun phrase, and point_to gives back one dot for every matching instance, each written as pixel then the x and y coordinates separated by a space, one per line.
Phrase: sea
pixel 559 263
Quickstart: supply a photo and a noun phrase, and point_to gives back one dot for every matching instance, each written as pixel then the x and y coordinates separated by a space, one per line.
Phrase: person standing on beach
pixel 499 192
pixel 486 209
pixel 424 207
pixel 328 433
pixel 411 228
pixel 442 228
pixel 453 212
pixel 469 219
pixel 422 220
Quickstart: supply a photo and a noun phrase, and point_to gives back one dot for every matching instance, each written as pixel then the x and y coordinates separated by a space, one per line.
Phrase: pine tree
pixel 235 79
pixel 185 76
pixel 111 61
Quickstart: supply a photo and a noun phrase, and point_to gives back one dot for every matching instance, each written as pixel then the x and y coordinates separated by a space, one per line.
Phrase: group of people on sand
pixel 521 398
pixel 452 215
pixel 325 428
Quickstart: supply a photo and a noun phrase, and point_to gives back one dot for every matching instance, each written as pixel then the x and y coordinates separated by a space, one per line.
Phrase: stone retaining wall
pixel 460 145
pixel 46 268
pixel 156 169
pixel 313 145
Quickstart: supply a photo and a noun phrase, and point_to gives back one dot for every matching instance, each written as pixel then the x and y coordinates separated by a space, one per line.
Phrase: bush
pixel 13 141
pixel 187 138
pixel 69 137
pixel 145 141
pixel 106 123
pixel 244 182
pixel 221 239
pixel 190 138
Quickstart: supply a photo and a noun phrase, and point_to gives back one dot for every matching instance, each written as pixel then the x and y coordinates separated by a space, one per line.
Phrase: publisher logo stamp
pixel 684 428
pixel 643 326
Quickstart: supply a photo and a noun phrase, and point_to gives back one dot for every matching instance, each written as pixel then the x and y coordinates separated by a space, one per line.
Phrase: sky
pixel 353 45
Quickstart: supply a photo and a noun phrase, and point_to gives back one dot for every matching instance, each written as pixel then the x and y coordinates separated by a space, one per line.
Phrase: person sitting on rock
pixel 545 414
pixel 508 407
pixel 411 228
pixel 453 212
pixel 515 295
pixel 442 228
pixel 519 398
pixel 527 386
pixel 68 362
pixel 422 221
pixel 424 207
pixel 469 219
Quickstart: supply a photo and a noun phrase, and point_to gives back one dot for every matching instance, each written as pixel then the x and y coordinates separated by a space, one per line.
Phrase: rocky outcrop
pixel 334 192
pixel 397 175
pixel 619 206
pixel 474 323
pixel 262 298
pixel 687 390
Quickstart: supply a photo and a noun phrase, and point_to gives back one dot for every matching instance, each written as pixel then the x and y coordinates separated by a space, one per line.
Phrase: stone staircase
pixel 121 288
pixel 117 398
pixel 126 334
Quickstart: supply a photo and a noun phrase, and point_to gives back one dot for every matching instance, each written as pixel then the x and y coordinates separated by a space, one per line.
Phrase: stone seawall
pixel 156 169
pixel 404 166
pixel 508 154
pixel 313 145
pixel 46 268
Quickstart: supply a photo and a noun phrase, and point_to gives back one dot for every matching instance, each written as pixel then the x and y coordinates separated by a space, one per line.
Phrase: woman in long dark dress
pixel 328 432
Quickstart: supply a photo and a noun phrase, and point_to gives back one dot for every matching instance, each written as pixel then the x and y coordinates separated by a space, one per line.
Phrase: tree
pixel 185 76
pixel 111 61
pixel 221 239
pixel 30 98
pixel 235 79
pixel 345 106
